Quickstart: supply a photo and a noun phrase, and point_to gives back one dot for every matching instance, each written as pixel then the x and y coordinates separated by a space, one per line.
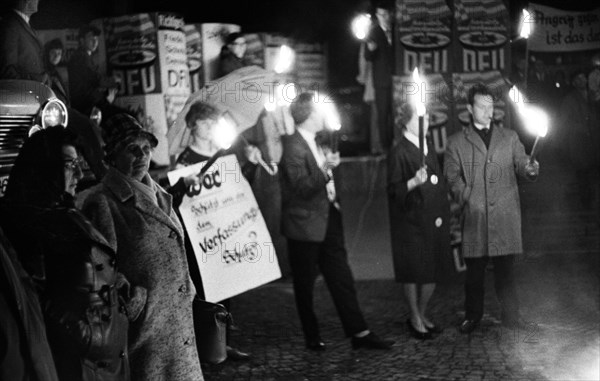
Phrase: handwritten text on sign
pixel 231 242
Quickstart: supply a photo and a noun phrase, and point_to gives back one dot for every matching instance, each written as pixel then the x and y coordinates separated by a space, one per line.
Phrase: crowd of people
pixel 103 286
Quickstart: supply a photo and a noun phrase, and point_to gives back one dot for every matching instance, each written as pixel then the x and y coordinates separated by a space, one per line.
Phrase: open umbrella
pixel 241 96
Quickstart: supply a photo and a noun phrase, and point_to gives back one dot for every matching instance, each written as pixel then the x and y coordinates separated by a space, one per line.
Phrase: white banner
pixel 231 242
pixel 557 30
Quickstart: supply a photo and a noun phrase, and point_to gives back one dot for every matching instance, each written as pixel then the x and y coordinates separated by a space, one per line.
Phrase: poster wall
pixel 213 38
pixel 557 30
pixel 146 52
pixel 231 242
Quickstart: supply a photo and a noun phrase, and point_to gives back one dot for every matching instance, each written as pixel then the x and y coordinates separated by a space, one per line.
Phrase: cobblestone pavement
pixel 558 292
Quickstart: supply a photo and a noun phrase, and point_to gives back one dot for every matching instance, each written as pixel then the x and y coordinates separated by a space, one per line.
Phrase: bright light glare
pixel 224 133
pixel 525 25
pixel 419 104
pixel 329 112
pixel 361 25
pixel 285 59
pixel 536 121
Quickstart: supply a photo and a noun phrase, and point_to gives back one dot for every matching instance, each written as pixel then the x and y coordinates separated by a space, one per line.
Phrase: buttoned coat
pixel 484 182
pixel 20 50
pixel 305 206
pixel 149 243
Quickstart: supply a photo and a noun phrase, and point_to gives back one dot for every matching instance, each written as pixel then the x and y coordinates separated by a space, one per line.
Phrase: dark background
pixel 326 21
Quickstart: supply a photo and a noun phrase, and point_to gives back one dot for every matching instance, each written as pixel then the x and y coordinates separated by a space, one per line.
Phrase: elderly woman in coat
pixel 75 271
pixel 136 216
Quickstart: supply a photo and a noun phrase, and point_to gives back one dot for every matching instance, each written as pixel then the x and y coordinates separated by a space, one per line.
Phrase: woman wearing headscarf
pixel 86 302
pixel 136 216
pixel 419 220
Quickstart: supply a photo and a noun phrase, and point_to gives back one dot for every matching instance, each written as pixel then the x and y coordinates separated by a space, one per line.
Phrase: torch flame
pixel 419 103
pixel 224 133
pixel 329 112
pixel 535 119
pixel 361 25
pixel 526 24
pixel 284 60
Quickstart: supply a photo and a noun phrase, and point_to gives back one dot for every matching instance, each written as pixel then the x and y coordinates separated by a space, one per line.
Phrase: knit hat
pixel 121 129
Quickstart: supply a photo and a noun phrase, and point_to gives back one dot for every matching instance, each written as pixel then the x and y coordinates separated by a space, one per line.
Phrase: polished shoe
pixel 434 329
pixel 237 355
pixel 468 326
pixel 371 341
pixel 315 344
pixel 417 334
pixel 517 323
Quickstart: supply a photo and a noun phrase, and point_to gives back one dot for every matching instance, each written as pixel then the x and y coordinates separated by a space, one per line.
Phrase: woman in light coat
pixel 136 216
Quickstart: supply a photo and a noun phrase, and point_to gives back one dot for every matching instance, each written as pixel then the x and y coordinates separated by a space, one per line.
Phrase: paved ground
pixel 559 285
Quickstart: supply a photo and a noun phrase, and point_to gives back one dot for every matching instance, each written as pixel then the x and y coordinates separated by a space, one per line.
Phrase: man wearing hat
pixel 137 218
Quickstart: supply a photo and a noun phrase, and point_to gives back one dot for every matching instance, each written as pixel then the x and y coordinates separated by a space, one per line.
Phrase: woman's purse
pixel 210 324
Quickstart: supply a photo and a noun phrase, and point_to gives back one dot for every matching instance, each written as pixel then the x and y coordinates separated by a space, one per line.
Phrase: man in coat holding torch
pixel 481 164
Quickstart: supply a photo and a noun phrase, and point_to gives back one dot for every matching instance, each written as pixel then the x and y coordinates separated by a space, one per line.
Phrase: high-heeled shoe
pixel 418 334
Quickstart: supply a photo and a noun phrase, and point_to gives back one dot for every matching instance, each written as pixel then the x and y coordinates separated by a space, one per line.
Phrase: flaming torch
pixel 535 119
pixel 332 119
pixel 285 60
pixel 361 26
pixel 420 106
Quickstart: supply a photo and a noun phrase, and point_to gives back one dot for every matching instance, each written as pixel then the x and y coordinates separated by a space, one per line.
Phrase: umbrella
pixel 240 96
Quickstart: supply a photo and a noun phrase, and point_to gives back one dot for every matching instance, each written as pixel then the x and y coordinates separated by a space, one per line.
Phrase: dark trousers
pixel 330 257
pixel 504 282
pixel 383 103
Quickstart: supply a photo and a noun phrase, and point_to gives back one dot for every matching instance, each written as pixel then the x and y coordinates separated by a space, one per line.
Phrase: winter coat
pixel 24 350
pixel 484 183
pixel 85 299
pixel 149 243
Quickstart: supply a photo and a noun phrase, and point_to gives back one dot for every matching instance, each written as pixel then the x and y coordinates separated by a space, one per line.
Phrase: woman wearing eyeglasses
pixel 137 217
pixel 232 54
pixel 86 303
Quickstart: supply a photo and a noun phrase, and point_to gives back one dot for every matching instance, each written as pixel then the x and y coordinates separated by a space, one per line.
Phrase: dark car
pixel 25 107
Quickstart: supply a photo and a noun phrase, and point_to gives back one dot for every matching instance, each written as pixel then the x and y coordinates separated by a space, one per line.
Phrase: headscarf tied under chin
pixel 37 178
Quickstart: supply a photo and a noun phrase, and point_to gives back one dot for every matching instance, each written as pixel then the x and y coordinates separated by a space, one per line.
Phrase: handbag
pixel 210 324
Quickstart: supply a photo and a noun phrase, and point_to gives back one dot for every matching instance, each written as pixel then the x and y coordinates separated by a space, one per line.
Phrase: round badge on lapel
pixel 438 222
pixel 434 179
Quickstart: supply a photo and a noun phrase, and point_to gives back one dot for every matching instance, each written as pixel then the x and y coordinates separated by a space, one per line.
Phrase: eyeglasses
pixel 73 164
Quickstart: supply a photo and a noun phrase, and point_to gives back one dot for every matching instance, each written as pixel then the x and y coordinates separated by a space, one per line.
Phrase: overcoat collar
pixel 474 139
pixel 125 193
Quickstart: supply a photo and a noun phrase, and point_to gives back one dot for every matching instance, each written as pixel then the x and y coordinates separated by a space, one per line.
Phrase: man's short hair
pixel 478 89
pixel 85 29
pixel 302 107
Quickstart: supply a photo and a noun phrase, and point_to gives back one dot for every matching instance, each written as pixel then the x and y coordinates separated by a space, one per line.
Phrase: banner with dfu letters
pixel 231 242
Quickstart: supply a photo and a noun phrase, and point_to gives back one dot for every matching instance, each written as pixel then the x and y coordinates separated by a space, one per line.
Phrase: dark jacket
pixel 228 62
pixel 86 302
pixel 85 82
pixel 382 59
pixel 24 350
pixel 305 206
pixel 20 50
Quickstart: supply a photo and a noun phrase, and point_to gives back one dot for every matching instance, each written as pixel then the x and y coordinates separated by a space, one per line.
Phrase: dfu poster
pixel 231 242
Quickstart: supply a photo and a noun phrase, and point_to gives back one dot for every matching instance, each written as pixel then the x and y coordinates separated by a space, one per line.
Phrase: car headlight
pixel 54 113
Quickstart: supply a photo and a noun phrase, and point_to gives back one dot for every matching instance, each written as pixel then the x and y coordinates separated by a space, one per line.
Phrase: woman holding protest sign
pixel 202 119
pixel 136 216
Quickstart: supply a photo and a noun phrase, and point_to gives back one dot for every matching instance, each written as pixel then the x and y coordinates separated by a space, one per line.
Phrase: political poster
pixel 232 245
pixel 482 29
pixel 424 37
pixel 213 38
pixel 557 30
pixel 146 53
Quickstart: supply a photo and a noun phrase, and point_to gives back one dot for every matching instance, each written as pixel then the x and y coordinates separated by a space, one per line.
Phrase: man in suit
pixel 481 164
pixel 20 49
pixel 312 222
pixel 379 52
